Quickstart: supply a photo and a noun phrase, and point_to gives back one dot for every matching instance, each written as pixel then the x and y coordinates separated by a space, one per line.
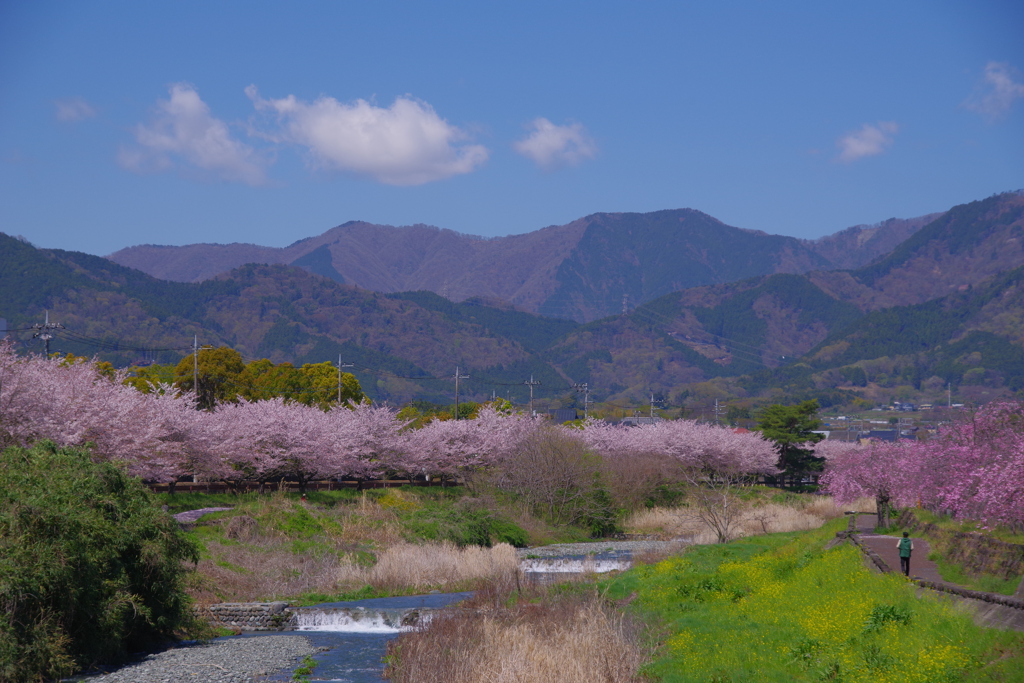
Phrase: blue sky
pixel 169 123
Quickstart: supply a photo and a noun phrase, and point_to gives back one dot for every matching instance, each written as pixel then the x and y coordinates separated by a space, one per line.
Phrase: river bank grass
pixel 566 633
pixel 336 545
pixel 782 608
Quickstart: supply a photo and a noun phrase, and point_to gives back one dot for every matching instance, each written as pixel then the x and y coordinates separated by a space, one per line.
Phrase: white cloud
pixel 997 91
pixel 404 144
pixel 869 141
pixel 182 129
pixel 73 109
pixel 551 146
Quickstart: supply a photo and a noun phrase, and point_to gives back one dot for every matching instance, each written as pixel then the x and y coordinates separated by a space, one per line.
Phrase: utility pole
pixel 42 331
pixel 949 394
pixel 625 304
pixel 652 406
pixel 457 378
pixel 340 366
pixel 531 383
pixel 195 366
pixel 583 387
pixel 717 421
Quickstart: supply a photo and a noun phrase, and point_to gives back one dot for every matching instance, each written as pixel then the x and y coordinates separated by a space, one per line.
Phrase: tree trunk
pixel 884 509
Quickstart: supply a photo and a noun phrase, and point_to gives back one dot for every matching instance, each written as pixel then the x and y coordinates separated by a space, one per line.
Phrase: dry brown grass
pixel 570 639
pixel 755 518
pixel 441 564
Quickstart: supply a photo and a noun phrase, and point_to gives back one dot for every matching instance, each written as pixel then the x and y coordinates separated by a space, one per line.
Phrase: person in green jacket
pixel 906 546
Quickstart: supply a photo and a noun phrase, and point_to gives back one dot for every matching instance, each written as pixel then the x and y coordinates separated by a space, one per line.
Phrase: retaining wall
pixel 250 616
pixel 991 598
pixel 976 552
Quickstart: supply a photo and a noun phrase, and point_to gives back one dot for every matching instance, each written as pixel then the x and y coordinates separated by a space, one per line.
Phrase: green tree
pixel 219 371
pixel 791 428
pixel 736 413
pixel 314 384
pixel 149 378
pixel 322 383
pixel 90 568
pixel 261 380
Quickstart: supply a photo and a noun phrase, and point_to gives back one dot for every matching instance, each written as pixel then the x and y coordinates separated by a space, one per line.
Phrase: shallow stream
pixel 357 631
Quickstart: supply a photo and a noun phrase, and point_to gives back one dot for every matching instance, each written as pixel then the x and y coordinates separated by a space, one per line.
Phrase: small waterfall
pixel 360 619
pixel 569 565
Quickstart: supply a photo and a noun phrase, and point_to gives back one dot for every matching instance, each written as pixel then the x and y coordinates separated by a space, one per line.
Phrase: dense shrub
pixel 462 526
pixel 90 568
pixel 560 480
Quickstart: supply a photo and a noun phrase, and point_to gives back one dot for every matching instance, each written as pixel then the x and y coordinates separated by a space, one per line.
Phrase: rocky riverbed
pixel 226 660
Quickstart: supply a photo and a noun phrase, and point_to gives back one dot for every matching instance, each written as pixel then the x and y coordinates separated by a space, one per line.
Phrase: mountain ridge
pixel 785 335
pixel 582 270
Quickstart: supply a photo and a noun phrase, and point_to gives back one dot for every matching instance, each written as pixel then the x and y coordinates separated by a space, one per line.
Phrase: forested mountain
pixel 804 333
pixel 279 312
pixel 581 271
pixel 944 307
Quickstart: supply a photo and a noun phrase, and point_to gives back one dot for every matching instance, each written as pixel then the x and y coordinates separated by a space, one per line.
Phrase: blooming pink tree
pixel 713 460
pixel 71 402
pixel 461 447
pixel 710 449
pixel 368 440
pixel 974 468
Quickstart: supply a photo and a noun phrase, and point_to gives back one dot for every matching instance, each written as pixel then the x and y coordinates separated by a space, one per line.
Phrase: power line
pixel 531 383
pixel 45 330
pixel 457 378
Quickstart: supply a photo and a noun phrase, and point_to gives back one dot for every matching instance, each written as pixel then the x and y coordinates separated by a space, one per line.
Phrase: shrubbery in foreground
pixel 90 568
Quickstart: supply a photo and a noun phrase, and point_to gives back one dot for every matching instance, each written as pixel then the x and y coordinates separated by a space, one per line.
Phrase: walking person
pixel 906 546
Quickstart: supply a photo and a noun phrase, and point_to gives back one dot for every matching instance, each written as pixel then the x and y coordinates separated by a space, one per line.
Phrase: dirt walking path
pixel 920 566
pixel 985 613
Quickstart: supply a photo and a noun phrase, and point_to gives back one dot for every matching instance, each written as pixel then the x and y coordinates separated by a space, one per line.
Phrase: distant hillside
pixel 860 245
pixel 279 312
pixel 944 308
pixel 790 331
pixel 581 271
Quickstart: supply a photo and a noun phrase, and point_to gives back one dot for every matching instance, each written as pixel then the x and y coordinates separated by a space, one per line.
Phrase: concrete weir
pixel 279 616
pixel 358 619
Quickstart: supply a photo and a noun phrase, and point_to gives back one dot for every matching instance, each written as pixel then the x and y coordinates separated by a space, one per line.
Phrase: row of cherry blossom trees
pixel 973 469
pixel 161 436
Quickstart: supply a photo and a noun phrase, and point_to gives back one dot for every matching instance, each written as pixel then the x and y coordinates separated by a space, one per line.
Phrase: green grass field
pixel 782 608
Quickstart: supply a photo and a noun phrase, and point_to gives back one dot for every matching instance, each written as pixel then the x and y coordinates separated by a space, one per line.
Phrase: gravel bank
pixel 230 660
pixel 596 547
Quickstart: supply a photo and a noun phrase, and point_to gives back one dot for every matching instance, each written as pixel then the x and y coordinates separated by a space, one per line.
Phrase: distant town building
pixel 563 415
pixel 884 434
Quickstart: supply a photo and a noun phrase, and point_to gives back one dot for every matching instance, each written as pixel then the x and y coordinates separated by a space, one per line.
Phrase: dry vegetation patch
pixel 752 517
pixel 280 548
pixel 572 639
pixel 438 564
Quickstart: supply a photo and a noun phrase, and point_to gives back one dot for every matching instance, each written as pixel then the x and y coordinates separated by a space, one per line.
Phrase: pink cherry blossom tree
pixel 974 468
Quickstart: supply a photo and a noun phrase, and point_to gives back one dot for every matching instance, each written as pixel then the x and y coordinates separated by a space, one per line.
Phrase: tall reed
pixel 567 639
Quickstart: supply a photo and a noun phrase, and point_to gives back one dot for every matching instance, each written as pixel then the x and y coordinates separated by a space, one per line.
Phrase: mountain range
pixel 588 269
pixel 919 306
